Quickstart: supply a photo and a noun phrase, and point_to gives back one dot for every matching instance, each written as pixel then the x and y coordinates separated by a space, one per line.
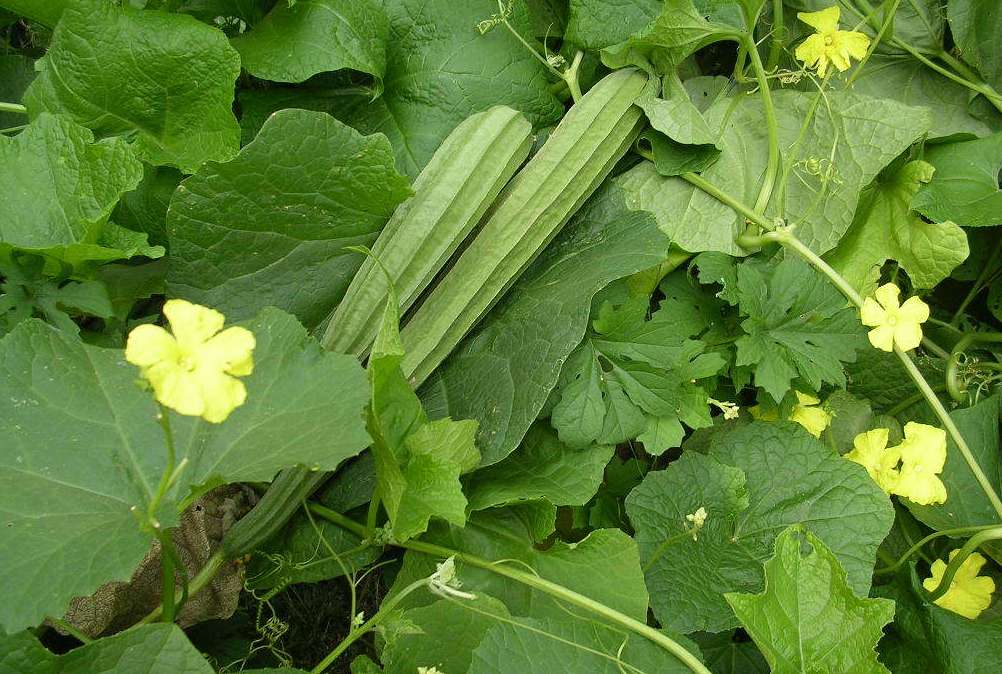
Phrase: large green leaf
pixel 441 635
pixel 686 574
pixel 503 373
pixel 298 40
pixel 151 649
pixel 730 653
pixel 798 325
pixel 908 81
pixel 886 228
pixel 569 645
pixel 680 29
pixel 46 12
pixel 83 447
pixel 808 618
pixel 430 88
pixel 60 187
pixel 975 25
pixel 849 140
pixel 271 226
pixel 604 566
pixel 965 187
pixel 759 479
pixel 594 24
pixel 541 468
pixel 164 79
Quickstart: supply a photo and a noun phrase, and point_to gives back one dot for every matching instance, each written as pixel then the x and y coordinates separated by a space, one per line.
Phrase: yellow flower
pixel 893 323
pixel 193 371
pixel 829 44
pixel 870 451
pixel 969 593
pixel 814 419
pixel 923 455
pixel 808 415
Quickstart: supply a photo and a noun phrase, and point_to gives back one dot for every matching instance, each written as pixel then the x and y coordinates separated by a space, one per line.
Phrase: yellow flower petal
pixel 923 455
pixel 758 413
pixel 882 337
pixel 824 21
pixel 221 395
pixel 177 389
pixel 907 336
pixel 887 295
pixel 853 43
pixel 814 419
pixel 872 314
pixel 806 399
pixel 969 594
pixel 230 351
pixel 811 51
pixel 192 324
pixel 914 310
pixel 149 344
pixel 870 451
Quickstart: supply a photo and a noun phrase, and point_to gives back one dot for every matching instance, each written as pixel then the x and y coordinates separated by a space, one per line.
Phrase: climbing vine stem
pixel 531 580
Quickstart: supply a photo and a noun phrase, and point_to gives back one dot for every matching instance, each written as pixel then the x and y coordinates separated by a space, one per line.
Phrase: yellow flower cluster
pixel 969 593
pixel 193 368
pixel 921 455
pixel 806 413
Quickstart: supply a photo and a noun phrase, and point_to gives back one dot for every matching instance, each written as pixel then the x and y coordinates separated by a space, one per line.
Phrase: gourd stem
pixel 891 568
pixel 13 107
pixel 972 544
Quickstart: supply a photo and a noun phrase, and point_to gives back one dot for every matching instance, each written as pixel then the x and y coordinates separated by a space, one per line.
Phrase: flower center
pixel 829 40
pixel 892 320
pixel 187 363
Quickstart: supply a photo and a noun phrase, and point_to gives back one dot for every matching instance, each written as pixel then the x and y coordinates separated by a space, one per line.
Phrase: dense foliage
pixel 671 336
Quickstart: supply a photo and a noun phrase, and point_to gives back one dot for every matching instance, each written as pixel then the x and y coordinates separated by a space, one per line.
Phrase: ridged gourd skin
pixel 578 156
pixel 451 195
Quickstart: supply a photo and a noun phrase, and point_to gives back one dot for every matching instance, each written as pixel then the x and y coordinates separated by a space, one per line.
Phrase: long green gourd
pixel 451 195
pixel 577 157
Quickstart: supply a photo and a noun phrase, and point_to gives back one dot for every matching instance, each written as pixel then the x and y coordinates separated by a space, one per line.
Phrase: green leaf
pixel 604 566
pixel 886 228
pixel 635 374
pixel 441 635
pixel 909 81
pixel 808 617
pixel 847 143
pixel 965 187
pixel 679 566
pixel 144 209
pixel 758 479
pixel 594 24
pixel 541 468
pixel 271 226
pixel 298 40
pixel 570 644
pixel 418 463
pixel 879 377
pixel 60 187
pixel 84 447
pixel 165 79
pixel 925 637
pixel 151 649
pixel 975 25
pixel 678 31
pixel 430 90
pixel 966 503
pixel 798 325
pixel 503 373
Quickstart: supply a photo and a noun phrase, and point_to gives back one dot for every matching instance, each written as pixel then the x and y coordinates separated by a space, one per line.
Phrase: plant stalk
pixel 16 108
pixel 972 544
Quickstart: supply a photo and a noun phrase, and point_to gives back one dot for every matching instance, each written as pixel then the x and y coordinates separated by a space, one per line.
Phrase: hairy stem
pixel 13 107
pixel 772 127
